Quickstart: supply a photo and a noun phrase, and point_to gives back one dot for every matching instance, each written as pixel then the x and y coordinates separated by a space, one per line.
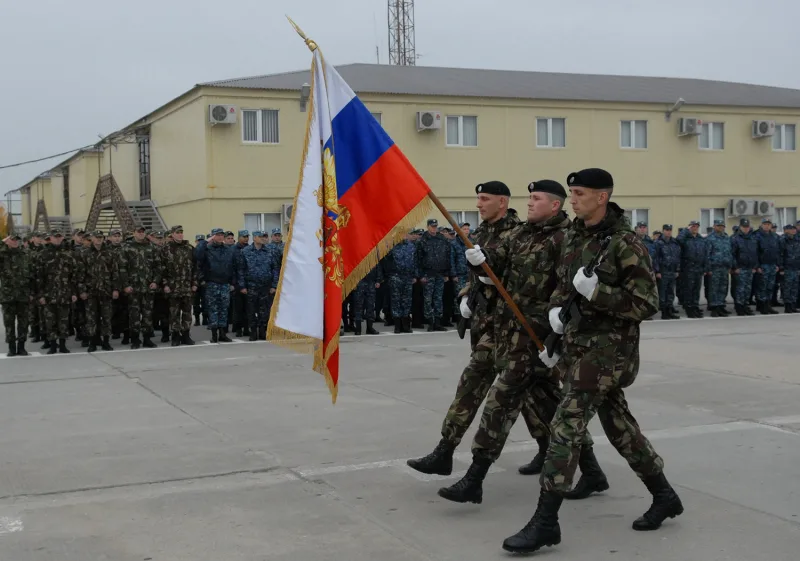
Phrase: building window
pixel 636 215
pixel 461 216
pixel 462 130
pixel 784 138
pixel 551 132
pixel 712 136
pixel 707 217
pixel 785 215
pixel 144 167
pixel 260 126
pixel 378 117
pixel 65 177
pixel 633 134
pixel 264 221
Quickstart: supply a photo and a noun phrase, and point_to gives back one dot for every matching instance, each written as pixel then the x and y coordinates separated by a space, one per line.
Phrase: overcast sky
pixel 70 70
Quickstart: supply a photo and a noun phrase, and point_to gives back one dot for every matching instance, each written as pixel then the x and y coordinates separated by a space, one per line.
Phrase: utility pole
pixel 401 33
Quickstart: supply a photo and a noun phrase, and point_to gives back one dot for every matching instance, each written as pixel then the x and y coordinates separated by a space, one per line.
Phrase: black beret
pixel 548 186
pixel 493 188
pixel 591 178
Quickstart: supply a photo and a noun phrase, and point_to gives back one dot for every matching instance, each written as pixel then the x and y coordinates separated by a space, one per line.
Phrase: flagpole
pixel 486 269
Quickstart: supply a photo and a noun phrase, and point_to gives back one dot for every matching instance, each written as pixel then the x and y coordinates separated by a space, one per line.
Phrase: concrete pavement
pixel 234 452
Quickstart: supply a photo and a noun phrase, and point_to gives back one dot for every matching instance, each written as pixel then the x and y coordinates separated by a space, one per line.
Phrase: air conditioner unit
pixel 741 207
pixel 765 208
pixel 286 213
pixel 221 114
pixel 689 127
pixel 762 129
pixel 429 120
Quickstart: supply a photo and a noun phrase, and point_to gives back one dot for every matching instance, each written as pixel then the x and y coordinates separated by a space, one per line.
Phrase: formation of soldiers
pixel 99 288
pixel 756 265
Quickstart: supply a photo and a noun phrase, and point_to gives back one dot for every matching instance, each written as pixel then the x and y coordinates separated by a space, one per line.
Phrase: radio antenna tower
pixel 401 33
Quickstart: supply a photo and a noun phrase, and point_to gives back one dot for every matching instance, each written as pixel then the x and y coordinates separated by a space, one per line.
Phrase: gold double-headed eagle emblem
pixel 334 218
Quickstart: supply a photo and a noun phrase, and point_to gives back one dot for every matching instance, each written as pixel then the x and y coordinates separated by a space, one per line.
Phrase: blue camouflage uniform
pixel 434 258
pixel 240 317
pixel 459 269
pixel 215 267
pixel 400 266
pixel 720 261
pixel 790 259
pixel 693 266
pixel 364 297
pixel 258 271
pixel 769 260
pixel 745 259
pixel 667 263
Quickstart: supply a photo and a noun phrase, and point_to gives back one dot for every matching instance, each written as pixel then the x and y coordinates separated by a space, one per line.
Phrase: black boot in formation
pixel 438 462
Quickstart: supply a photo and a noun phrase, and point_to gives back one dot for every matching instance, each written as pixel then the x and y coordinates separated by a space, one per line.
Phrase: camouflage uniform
pixel 16 288
pixel 401 268
pixel 56 275
pixel 744 248
pixel 258 272
pixel 433 261
pixel 601 349
pixel 99 279
pixel 526 263
pixel 364 295
pixel 769 259
pixel 790 259
pixel 36 310
pixel 179 275
pixel 140 267
pixel 719 256
pixel 216 267
pixel 460 270
pixel 119 307
pixel 78 308
pixel 667 263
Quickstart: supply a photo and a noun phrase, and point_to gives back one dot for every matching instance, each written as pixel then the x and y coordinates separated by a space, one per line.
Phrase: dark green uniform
pixel 16 289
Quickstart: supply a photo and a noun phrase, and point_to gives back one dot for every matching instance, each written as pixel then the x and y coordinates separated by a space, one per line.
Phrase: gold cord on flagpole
pixel 312 46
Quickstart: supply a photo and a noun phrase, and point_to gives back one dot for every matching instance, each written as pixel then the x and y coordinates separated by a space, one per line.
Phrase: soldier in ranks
pixel 99 285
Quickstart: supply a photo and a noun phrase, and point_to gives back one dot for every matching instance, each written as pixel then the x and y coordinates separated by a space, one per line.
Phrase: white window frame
pixel 460 143
pixel 632 124
pixel 711 126
pixel 780 217
pixel 260 127
pixel 262 222
pixel 780 131
pixel 713 214
pixel 460 216
pixel 633 215
pixel 378 116
pixel 549 143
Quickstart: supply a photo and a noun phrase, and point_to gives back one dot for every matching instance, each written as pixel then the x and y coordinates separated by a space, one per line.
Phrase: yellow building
pixel 227 154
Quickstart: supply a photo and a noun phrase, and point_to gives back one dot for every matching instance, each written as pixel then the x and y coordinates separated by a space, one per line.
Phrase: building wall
pixel 40 189
pixel 194 216
pixel 123 161
pixel 83 175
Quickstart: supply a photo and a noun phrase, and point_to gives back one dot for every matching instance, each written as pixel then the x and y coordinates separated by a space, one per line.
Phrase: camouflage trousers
pixel 579 405
pixel 666 290
pixel 218 301
pixel 198 300
pixel 459 282
pixel 364 301
pixel 15 314
pixel 400 291
pixel 718 292
pixel 78 316
pixel 56 317
pixel 180 313
pixel 36 319
pixel 789 286
pixel 524 384
pixel 258 305
pixel 99 311
pixel 140 312
pixel 692 283
pixel 433 292
pixel 475 381
pixel 767 284
pixel 744 287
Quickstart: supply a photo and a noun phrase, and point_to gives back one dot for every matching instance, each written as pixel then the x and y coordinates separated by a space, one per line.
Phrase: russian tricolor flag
pixel 357 196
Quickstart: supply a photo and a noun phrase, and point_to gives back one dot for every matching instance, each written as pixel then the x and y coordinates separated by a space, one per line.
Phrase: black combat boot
pixel 237 333
pixel 542 529
pixel 357 328
pixel 468 489
pixel 738 309
pixel 398 325
pixel 665 314
pixel 196 320
pixel 748 311
pixel 389 321
pixel 62 346
pixel 438 462
pixel 165 336
pixel 53 347
pixel 92 344
pixel 46 345
pixel 21 348
pixel 371 330
pixel 714 312
pixel 537 463
pixel 35 336
pixel 205 320
pixel 126 337
pixel 106 345
pixel 592 480
pixel 674 313
pixel 246 332
pixel 214 335
pixel 136 343
pixel 262 333
pixel 185 339
pixel 437 325
pixel 12 349
pixel 254 334
pixel 407 325
pixel 176 339
pixel 115 335
pixel 147 343
pixel 666 504
pixel 223 336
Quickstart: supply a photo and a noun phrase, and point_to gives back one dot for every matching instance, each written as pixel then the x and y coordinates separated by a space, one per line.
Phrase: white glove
pixel 466 313
pixel 475 256
pixel 486 280
pixel 548 361
pixel 585 285
pixel 555 322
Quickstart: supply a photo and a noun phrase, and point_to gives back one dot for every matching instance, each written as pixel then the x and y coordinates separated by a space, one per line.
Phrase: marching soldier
pixel 56 289
pixel 600 357
pixel 16 287
pixel 180 284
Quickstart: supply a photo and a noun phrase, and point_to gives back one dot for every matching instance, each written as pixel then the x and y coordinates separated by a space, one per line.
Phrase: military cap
pixel 174 229
pixel 228 233
pixel 56 233
pixel 433 222
pixel 198 237
pixel 464 224
pixel 493 188
pixel 694 223
pixel 208 236
pixel 719 223
pixel 591 178
pixel 244 234
pixel 766 220
pixel 641 224
pixel 115 232
pixel 77 231
pixel 258 234
pixel 215 231
pixel 419 231
pixel 744 222
pixel 140 229
pixel 657 232
pixel 667 227
pixel 97 234
pixel 548 186
pixel 15 236
pixel 276 231
pixel 789 226
pixel 158 235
